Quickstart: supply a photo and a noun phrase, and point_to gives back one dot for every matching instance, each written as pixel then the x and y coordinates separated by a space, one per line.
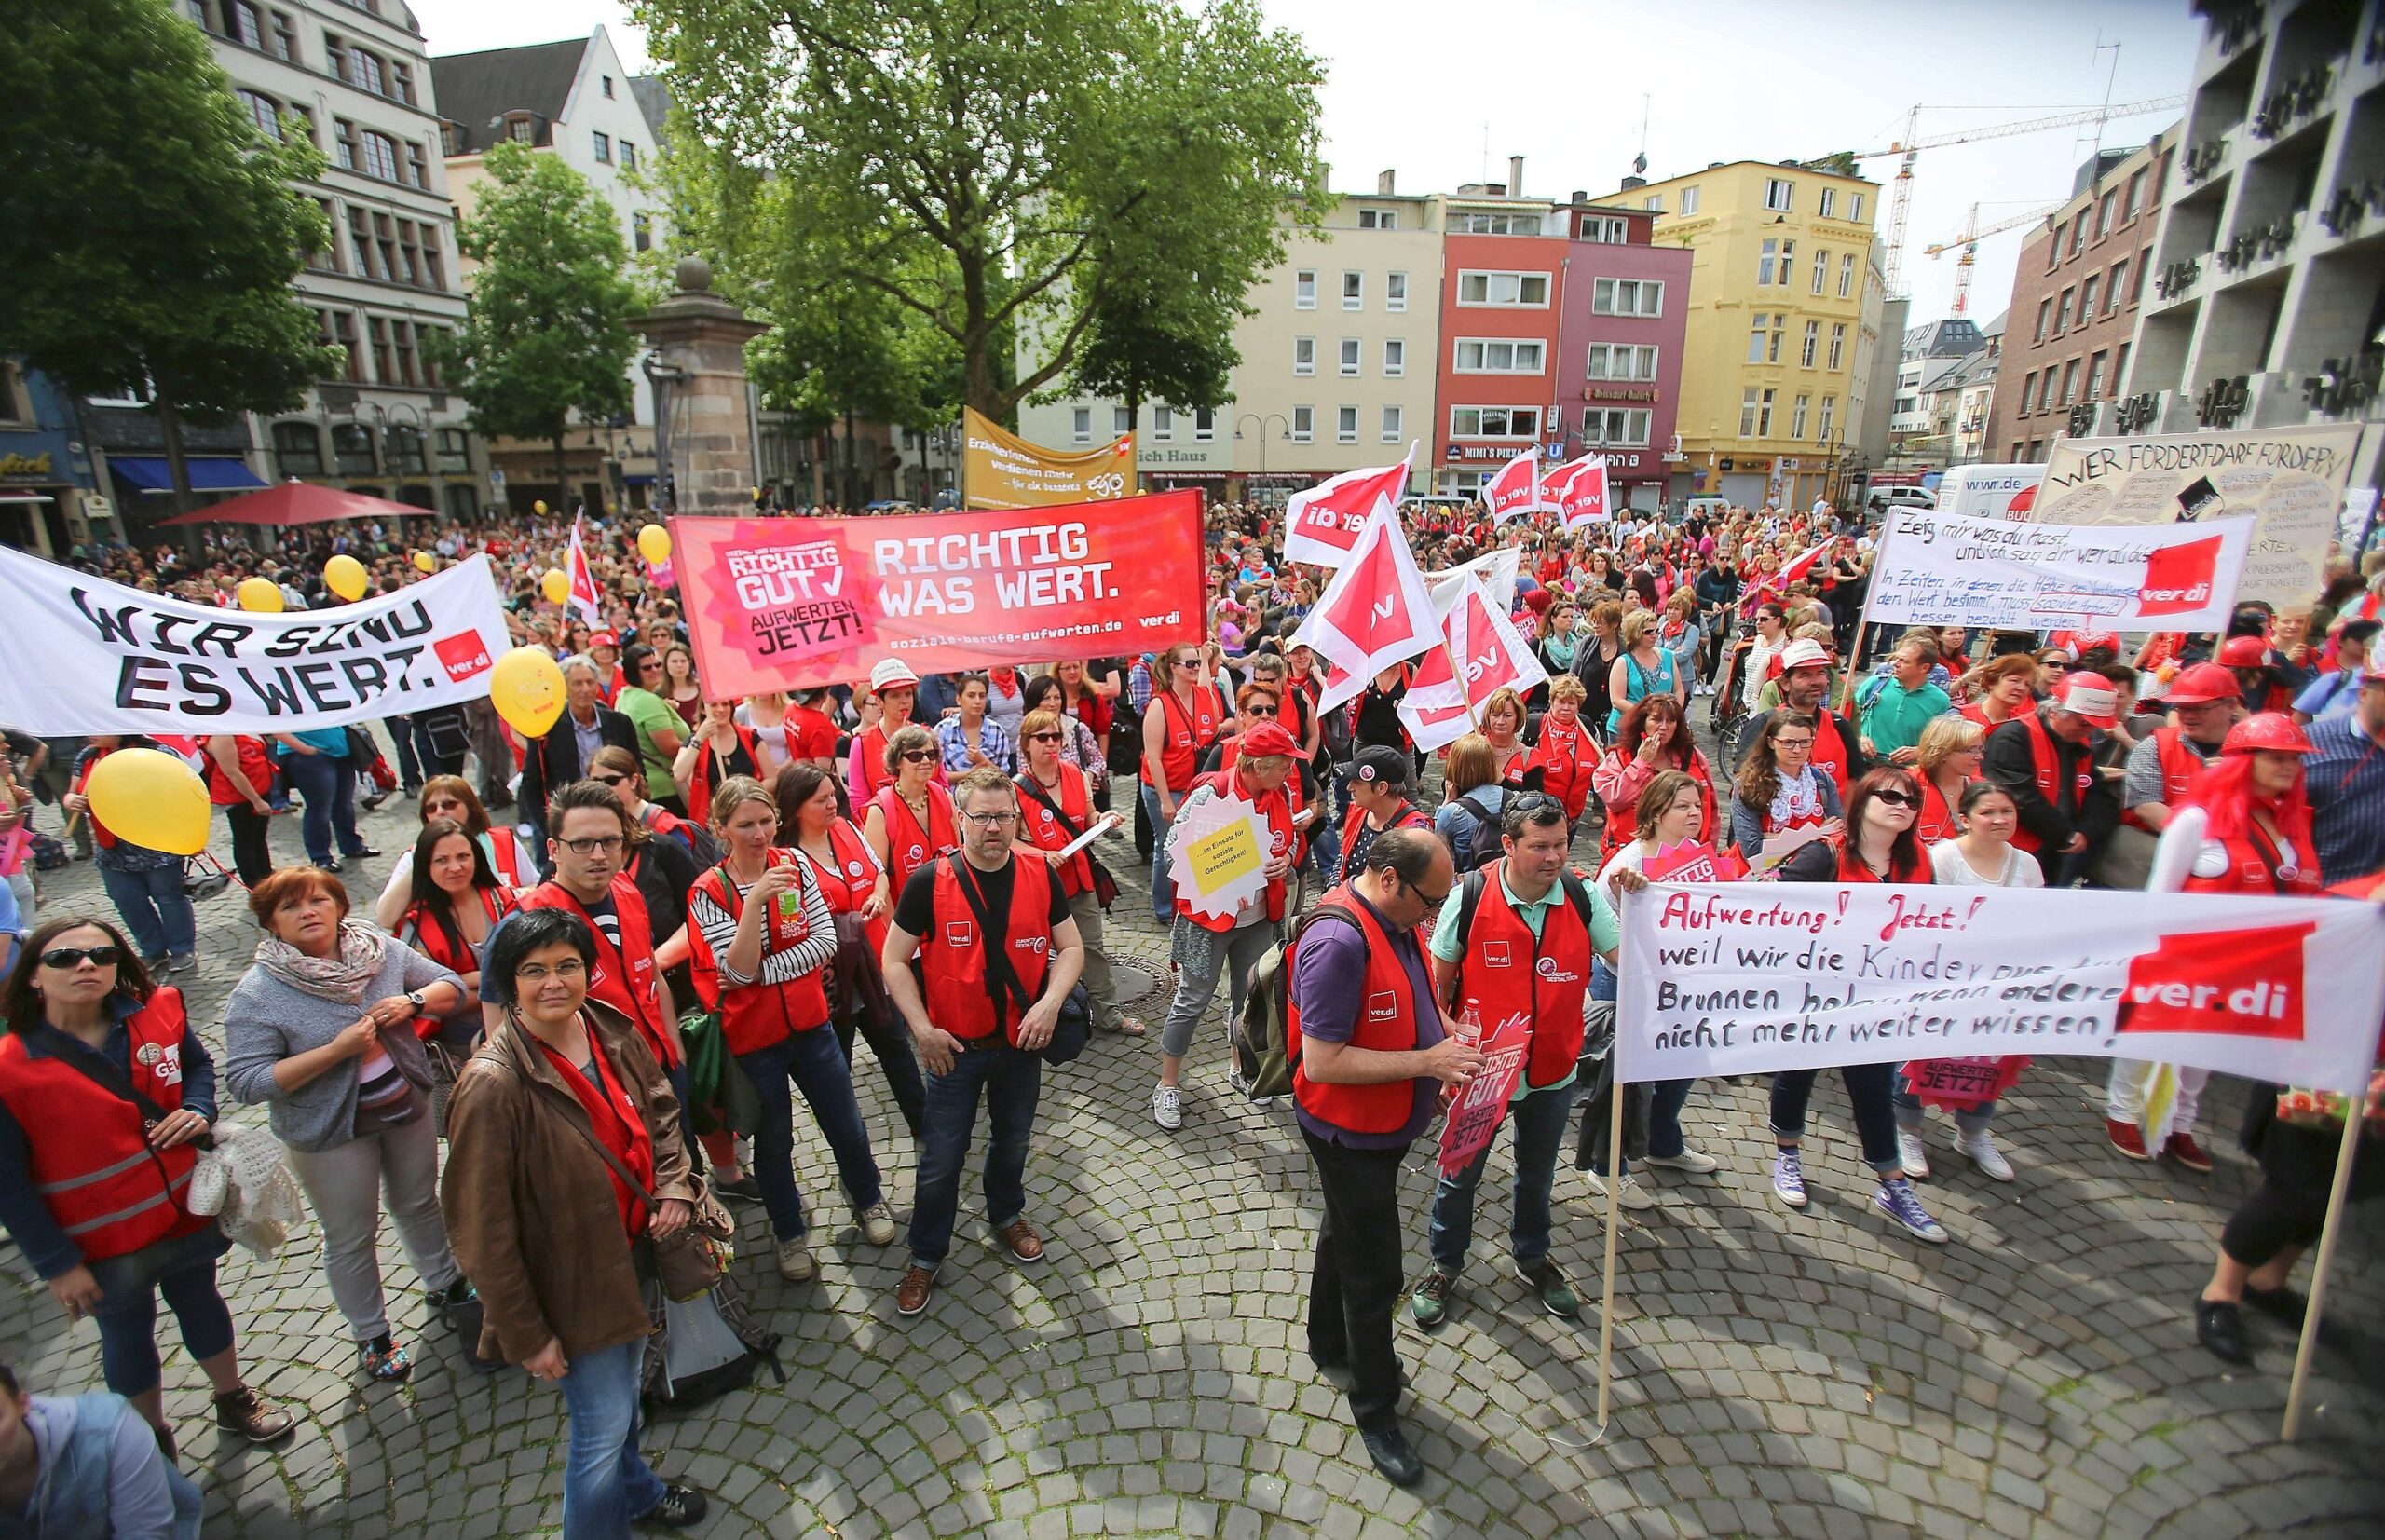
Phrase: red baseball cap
pixel 604 639
pixel 1268 737
pixel 2200 684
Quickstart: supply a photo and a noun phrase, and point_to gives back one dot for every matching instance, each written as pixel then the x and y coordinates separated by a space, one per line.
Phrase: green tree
pixel 152 230
pixel 990 168
pixel 1166 341
pixel 546 333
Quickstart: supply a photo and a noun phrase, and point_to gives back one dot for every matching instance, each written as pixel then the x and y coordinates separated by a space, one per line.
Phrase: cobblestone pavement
pixel 1774 1373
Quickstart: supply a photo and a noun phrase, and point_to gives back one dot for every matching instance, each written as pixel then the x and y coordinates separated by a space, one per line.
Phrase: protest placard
pixel 1000 469
pixel 1474 1117
pixel 788 604
pixel 1218 853
pixel 1941 570
pixel 2292 480
pixel 1745 980
pixel 84 655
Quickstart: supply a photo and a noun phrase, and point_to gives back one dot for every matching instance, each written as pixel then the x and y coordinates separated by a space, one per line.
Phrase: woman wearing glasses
pixel 1080 741
pixel 910 822
pixel 1055 805
pixel 1779 791
pixel 1948 761
pixel 91 1185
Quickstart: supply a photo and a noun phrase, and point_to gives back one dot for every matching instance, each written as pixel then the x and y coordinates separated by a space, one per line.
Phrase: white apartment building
pixel 574 99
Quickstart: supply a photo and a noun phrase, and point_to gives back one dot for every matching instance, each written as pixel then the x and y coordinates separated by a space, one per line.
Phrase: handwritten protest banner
pixel 1938 569
pixel 2292 480
pixel 1474 1117
pixel 1000 469
pixel 1741 979
pixel 84 655
pixel 789 604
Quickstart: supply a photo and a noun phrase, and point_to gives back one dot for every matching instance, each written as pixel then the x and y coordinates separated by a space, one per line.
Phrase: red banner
pixel 790 604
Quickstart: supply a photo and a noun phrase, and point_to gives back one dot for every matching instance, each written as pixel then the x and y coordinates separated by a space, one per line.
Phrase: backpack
pixel 49 852
pixel 1486 846
pixel 702 1348
pixel 1262 1059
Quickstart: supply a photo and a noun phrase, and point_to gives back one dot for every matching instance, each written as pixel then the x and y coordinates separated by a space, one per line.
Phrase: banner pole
pixel 2328 1233
pixel 1614 1218
pixel 1863 620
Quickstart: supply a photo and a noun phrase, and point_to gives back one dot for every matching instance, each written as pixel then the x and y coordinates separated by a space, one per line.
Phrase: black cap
pixel 1378 764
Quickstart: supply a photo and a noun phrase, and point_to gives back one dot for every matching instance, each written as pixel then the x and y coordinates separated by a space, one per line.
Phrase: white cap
pixel 1804 653
pixel 891 674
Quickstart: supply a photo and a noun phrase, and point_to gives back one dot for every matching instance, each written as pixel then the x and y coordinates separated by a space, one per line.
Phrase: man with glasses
pixel 980 1011
pixel 1371 1063
pixel 660 731
pixel 569 747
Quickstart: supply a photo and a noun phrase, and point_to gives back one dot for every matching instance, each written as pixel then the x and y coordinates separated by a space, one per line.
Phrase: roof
pixel 475 90
pixel 1942 339
pixel 654 100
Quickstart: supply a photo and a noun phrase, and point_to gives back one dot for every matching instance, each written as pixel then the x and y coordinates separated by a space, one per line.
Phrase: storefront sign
pixel 1617 392
pixel 26 467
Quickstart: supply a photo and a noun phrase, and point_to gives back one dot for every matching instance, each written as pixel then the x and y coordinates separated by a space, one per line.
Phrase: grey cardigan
pixel 266 1021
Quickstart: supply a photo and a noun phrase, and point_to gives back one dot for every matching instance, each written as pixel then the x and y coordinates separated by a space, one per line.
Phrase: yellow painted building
pixel 1770 368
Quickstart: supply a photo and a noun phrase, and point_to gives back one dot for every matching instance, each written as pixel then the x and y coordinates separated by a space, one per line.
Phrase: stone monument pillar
pixel 704 434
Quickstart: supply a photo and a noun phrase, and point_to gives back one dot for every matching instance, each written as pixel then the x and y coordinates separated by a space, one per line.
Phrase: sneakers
pixel 384 1360
pixel 1632 1196
pixel 1019 1239
pixel 1167 1106
pixel 1698 1163
pixel 1430 1303
pixel 1557 1296
pixel 1788 1179
pixel 911 1294
pixel 1983 1153
pixel 2219 1326
pixel 878 1224
pixel 2183 1149
pixel 795 1260
pixel 182 962
pixel 1899 1202
pixel 742 1187
pixel 2127 1139
pixel 244 1413
pixel 1910 1155
pixel 681 1507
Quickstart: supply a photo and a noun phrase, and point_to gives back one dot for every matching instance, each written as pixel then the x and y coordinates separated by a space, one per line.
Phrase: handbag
pixel 366 756
pixel 1125 749
pixel 720 1094
pixel 203 881
pixel 1071 1029
pixel 1104 887
pixel 691 1260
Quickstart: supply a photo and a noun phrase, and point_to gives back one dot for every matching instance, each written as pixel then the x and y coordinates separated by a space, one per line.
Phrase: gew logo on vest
pixel 2178 578
pixel 2244 983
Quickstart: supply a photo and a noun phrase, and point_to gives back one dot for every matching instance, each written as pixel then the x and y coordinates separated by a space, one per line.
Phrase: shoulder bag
pixel 1074 1023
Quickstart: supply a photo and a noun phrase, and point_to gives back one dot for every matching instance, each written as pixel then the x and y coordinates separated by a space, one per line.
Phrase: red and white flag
pixel 1322 524
pixel 1481 653
pixel 583 582
pixel 1794 572
pixel 1584 498
pixel 1435 709
pixel 1515 489
pixel 1373 614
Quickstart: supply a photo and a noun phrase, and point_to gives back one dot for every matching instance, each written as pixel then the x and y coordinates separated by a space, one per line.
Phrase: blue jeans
pixel 607 1483
pixel 1539 1122
pixel 328 783
pixel 816 1066
pixel 402 733
pixel 1163 881
pixel 130 1364
pixel 155 908
pixel 1010 1081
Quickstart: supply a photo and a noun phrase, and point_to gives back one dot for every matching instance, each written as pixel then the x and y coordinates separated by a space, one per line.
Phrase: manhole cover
pixel 1136 982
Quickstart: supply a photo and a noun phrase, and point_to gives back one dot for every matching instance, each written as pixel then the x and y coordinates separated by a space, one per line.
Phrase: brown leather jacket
pixel 529 1202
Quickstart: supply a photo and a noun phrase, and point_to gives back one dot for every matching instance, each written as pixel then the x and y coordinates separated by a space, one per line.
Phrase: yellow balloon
pixel 526 689
pixel 654 544
pixel 151 798
pixel 259 596
pixel 425 562
pixel 345 577
pixel 539 507
pixel 555 586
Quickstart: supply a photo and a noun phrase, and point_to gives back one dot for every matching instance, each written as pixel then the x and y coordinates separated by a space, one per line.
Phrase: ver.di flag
pixel 1373 614
pixel 1585 498
pixel 1481 654
pixel 1515 489
pixel 583 582
pixel 1322 524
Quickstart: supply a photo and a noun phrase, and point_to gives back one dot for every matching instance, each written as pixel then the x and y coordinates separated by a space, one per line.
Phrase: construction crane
pixel 1900 200
pixel 1968 240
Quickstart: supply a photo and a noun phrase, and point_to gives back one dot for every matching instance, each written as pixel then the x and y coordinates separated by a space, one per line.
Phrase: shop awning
pixel 206 475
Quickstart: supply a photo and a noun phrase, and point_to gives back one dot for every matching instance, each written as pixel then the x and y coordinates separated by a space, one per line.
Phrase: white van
pixel 1990 491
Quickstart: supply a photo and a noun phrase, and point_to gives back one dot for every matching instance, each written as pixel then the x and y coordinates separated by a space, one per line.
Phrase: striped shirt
pixel 817 948
pixel 953 740
pixel 2345 777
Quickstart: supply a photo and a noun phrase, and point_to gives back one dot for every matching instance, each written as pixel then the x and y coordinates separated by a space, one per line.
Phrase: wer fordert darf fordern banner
pixel 791 604
pixel 1745 978
pixel 82 655
pixel 1000 469
pixel 1940 569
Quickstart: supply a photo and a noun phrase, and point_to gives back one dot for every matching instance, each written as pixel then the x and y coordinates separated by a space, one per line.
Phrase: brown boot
pixel 252 1417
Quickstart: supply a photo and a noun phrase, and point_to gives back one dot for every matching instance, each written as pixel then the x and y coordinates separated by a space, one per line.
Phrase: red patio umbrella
pixel 296 503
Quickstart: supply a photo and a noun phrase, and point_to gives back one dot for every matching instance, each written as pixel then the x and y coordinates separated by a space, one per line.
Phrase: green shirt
pixel 650 713
pixel 1897 715
pixel 1606 933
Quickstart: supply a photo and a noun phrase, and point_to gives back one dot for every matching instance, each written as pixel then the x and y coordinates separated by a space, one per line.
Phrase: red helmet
pixel 2271 729
pixel 2243 652
pixel 2199 684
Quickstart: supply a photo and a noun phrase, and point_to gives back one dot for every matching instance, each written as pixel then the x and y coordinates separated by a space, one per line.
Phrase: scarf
pixel 341 979
pixel 1559 650
pixel 1798 801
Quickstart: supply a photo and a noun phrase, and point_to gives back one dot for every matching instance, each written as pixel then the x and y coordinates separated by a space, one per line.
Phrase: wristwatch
pixel 414 996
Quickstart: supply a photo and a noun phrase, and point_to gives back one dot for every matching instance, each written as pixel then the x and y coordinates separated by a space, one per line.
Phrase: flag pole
pixel 1863 620
pixel 1613 1219
pixel 2328 1233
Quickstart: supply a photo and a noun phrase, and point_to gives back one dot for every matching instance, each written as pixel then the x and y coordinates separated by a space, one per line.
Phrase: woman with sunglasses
pixel 454 900
pixel 911 821
pixel 718 749
pixel 452 798
pixel 1641 669
pixel 1080 744
pixel 1651 738
pixel 1054 807
pixel 1780 790
pixel 1947 761
pixel 92 1185
pixel 1880 846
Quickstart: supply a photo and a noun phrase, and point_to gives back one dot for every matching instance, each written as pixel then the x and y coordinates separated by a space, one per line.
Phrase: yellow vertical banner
pixel 1000 469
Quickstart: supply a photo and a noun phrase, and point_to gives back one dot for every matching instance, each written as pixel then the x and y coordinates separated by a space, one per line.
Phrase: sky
pixel 1415 86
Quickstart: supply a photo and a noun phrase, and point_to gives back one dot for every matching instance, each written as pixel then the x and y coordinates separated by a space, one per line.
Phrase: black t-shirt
pixel 915 910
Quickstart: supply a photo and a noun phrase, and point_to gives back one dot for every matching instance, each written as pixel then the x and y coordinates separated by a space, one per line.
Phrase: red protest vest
pixel 1045 829
pixel 255 764
pixel 1623 822
pixel 421 930
pixel 848 887
pixel 1409 817
pixel 909 847
pixel 758 1016
pixel 2047 767
pixel 1851 868
pixel 1830 750
pixel 711 770
pixel 2257 866
pixel 1276 807
pixel 1565 758
pixel 1186 738
pixel 86 1151
pixel 1937 820
pixel 1386 1023
pixel 1508 973
pixel 2180 769
pixel 952 955
pixel 623 977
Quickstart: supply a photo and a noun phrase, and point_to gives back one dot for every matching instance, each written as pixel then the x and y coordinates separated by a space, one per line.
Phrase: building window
pixel 1626 296
pixel 1766 262
pixel 2054 253
pixel 2086 299
pixel 297 449
pixel 2113 284
pixel 2144 265
pixel 405 449
pixel 1828 206
pixel 2079 233
pixel 1855 207
pixel 1625 428
pixel 2045 390
pixel 2103 212
pixel 352 449
pixel 1121 422
pixel 1163 425
pixel 344 143
pixel 1205 425
pixel 1395 358
pixel 2028 383
pixel 360 236
pixel 1350 356
pixel 1345 425
pixel 1353 290
pixel 1378 219
pixel 306 117
pixel 1755 338
pixel 285 37
pixel 2070 382
pixel 378 330
pixel 520 130
pixel 1688 201
pixel 1606 231
pixel 337 329
pixel 377 155
pixel 1780 196
pixel 1797 419
pixel 1822 429
pixel 642 232
pixel 1395 291
pixel 1751 401
pixel 417 168
pixel 1821 270
pixel 1811 346
pixel 1081 425
pixel 323 257
pixel 1837 346
pixel 1846 275
pixel 1492 356
pixel 1303 355
pixel 429 338
pixel 2095 376
pixel 263 112
pixel 1654 203
pixel 2045 317
pixel 1303 424
pixel 1494 225
pixel 2135 195
pixel 1304 289
pixel 2120 369
pixel 402 77
pixel 1494 422
pixel 628 155
pixel 2062 312
pixel 604 147
pixel 1528 291
pixel 1621 361
pixel 1392 423
pixel 608 85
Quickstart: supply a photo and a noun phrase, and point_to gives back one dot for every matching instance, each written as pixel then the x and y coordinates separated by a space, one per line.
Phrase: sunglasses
pixel 1044 737
pixel 916 757
pixel 1897 798
pixel 611 780
pixel 445 805
pixel 102 956
pixel 1258 711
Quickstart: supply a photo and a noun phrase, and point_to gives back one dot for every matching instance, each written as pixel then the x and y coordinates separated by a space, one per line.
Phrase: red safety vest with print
pixel 2047 767
pixel 712 768
pixel 256 763
pixel 2181 767
pixel 1386 1023
pixel 1046 830
pixel 758 1016
pixel 849 878
pixel 1283 838
pixel 952 955
pixel 1409 817
pixel 421 930
pixel 661 820
pixel 1623 823
pixel 624 977
pixel 1830 751
pixel 87 1149
pixel 2253 863
pixel 909 847
pixel 1186 736
pixel 1565 757
pixel 1937 820
pixel 1508 973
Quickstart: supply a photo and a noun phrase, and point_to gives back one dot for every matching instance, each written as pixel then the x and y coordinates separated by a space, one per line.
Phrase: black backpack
pixel 1263 1061
pixel 1487 844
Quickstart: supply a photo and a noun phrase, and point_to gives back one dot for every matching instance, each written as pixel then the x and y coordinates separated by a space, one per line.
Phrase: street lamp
pixel 1262 422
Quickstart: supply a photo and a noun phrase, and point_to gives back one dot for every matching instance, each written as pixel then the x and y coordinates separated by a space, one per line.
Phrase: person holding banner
pixel 910 822
pixel 1565 753
pixel 1178 726
pixel 1365 1086
pixel 1056 809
